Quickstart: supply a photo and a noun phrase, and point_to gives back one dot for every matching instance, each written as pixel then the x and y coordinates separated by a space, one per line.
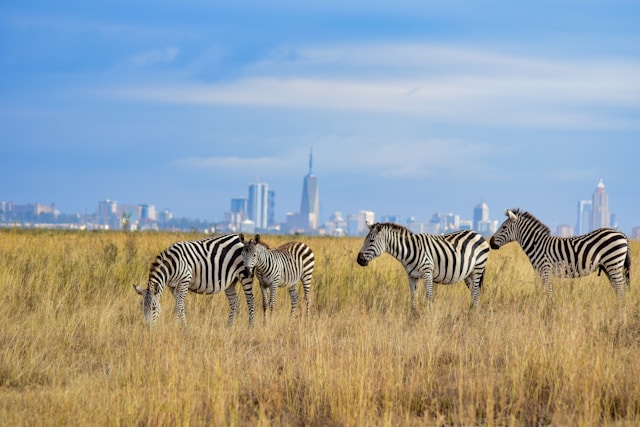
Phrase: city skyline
pixel 411 108
pixel 110 213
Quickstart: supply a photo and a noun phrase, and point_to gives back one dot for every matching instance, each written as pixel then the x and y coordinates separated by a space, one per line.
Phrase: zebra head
pixel 249 255
pixel 507 231
pixel 150 305
pixel 374 244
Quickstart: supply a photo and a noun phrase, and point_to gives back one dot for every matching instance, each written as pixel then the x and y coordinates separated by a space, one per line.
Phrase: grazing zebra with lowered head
pixel 283 266
pixel 443 259
pixel 604 249
pixel 205 266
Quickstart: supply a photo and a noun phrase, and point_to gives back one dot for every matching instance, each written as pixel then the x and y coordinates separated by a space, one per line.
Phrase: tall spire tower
pixel 310 205
pixel 600 207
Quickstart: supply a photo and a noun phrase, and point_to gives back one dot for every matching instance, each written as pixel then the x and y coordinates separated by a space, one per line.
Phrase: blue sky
pixel 411 107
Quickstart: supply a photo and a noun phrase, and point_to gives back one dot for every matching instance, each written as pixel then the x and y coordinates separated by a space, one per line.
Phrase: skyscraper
pixel 600 207
pixel 480 214
pixel 107 213
pixel 583 225
pixel 310 205
pixel 481 221
pixel 271 208
pixel 258 204
pixel 238 213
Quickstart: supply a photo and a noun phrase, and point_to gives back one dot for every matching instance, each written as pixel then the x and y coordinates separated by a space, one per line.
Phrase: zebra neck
pixel 397 244
pixel 157 287
pixel 264 259
pixel 531 242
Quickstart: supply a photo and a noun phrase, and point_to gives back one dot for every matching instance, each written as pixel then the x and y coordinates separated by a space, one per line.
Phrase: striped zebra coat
pixel 442 259
pixel 206 266
pixel 604 249
pixel 283 266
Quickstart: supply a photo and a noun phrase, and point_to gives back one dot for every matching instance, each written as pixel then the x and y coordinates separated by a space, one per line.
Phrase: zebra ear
pixel 257 238
pixel 511 215
pixel 369 224
pixel 138 289
pixel 241 237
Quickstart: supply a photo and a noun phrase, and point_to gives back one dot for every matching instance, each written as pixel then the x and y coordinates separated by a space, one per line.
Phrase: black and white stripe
pixel 205 266
pixel 604 249
pixel 283 266
pixel 442 259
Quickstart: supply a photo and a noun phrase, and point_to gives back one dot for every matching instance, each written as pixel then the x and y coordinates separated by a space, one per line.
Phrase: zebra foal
pixel 443 259
pixel 283 266
pixel 205 266
pixel 604 249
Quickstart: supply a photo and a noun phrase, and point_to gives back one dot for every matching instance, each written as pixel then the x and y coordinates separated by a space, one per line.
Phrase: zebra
pixel 604 249
pixel 283 266
pixel 443 259
pixel 205 266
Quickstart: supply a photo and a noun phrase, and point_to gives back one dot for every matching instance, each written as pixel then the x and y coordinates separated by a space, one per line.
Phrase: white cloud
pixel 154 56
pixel 437 82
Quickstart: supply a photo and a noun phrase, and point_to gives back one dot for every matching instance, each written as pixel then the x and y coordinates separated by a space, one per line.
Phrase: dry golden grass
pixel 74 350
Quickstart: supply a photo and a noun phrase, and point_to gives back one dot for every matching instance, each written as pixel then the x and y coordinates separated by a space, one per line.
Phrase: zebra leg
pixel 545 274
pixel 306 288
pixel 412 290
pixel 617 279
pixel 247 287
pixel 428 284
pixel 293 293
pixel 474 288
pixel 272 297
pixel 230 292
pixel 265 301
pixel 179 293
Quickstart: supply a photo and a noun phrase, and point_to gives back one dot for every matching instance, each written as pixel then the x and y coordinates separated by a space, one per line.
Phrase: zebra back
pixel 454 255
pixel 207 265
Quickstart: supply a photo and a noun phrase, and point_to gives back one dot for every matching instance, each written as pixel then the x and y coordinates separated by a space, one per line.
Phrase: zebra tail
pixel 627 267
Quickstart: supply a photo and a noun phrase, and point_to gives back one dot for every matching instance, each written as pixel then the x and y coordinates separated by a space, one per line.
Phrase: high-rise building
pixel 600 210
pixel 564 230
pixel 106 215
pixel 148 213
pixel 444 222
pixel 480 213
pixel 271 209
pixel 239 206
pixel 310 205
pixel 258 204
pixel 359 224
pixel 237 214
pixel 583 225
pixel 481 221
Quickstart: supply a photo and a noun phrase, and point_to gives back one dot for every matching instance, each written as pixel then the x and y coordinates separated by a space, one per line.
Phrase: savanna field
pixel 74 349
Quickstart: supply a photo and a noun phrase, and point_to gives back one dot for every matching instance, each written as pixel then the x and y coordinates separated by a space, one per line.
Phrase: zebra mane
pixel 153 270
pixel 529 217
pixel 392 226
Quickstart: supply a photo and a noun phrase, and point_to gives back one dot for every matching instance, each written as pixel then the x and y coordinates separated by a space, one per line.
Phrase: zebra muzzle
pixel 362 260
pixel 493 244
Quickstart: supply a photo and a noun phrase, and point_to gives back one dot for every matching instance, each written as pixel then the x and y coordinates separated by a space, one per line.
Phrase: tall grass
pixel 73 349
